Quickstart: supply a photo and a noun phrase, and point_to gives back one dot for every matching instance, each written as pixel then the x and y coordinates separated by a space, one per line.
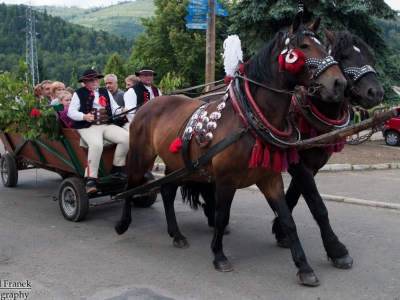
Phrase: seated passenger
pixel 92 108
pixel 65 99
pixel 56 88
pixel 131 81
pixel 38 92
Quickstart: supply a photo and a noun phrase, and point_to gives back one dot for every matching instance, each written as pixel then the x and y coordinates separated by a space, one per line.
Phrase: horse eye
pixel 344 57
pixel 304 46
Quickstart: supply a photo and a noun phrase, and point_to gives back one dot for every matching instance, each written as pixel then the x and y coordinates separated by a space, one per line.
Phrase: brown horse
pixel 158 123
pixel 357 61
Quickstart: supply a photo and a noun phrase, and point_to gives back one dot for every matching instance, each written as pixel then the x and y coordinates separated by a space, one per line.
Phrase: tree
pixel 115 65
pixel 257 21
pixel 167 45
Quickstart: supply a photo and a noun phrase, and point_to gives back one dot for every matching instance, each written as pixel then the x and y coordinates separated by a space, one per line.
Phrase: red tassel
pixel 256 155
pixel 330 148
pixel 266 163
pixel 313 132
pixel 304 127
pixel 338 145
pixel 176 145
pixel 296 66
pixel 292 155
pixel 284 162
pixel 227 79
pixel 276 167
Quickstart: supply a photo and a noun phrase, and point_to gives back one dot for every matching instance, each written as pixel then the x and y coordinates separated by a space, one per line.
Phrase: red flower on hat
pixel 34 113
pixel 102 101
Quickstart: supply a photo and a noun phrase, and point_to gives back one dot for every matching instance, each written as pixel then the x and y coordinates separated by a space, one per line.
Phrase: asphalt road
pixel 88 260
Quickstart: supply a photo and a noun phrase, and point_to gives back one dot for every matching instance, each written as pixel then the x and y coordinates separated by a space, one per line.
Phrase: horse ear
pixel 330 36
pixel 314 26
pixel 296 23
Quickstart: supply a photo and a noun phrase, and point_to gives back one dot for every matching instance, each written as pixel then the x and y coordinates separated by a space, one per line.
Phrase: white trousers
pixel 94 136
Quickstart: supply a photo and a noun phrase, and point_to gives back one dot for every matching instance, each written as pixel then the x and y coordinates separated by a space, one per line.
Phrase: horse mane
pixel 258 67
pixel 344 40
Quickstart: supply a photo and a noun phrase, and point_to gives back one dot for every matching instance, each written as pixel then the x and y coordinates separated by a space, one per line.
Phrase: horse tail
pixel 190 192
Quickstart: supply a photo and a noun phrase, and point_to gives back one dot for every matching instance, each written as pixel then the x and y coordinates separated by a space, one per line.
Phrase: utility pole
pixel 210 45
pixel 31 49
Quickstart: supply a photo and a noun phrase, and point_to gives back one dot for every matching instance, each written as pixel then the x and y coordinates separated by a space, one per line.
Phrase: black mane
pixel 344 40
pixel 258 67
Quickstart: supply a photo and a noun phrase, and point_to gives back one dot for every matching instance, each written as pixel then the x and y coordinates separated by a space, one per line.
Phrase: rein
pixel 193 88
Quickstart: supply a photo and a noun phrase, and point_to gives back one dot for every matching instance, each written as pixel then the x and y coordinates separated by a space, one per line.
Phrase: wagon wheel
pixel 73 200
pixel 9 170
pixel 148 200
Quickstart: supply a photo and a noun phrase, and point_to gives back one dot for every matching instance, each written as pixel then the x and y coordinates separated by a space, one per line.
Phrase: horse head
pixel 319 71
pixel 357 61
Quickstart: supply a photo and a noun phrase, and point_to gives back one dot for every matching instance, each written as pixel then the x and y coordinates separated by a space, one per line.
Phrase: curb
pixel 158 168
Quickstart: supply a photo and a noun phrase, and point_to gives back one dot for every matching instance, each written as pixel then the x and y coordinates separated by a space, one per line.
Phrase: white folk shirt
pixel 75 114
pixel 130 100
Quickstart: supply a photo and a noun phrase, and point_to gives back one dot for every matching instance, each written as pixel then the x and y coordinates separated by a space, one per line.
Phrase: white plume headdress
pixel 232 54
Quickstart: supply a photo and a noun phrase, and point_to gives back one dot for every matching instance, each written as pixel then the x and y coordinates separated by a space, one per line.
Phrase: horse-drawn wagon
pixel 66 157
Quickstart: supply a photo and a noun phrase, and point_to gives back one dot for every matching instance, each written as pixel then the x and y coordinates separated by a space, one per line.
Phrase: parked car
pixel 391 131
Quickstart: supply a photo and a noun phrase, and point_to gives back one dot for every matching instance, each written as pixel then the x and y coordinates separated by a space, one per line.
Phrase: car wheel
pixel 392 138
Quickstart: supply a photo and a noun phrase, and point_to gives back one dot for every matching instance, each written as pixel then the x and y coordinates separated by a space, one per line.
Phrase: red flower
pixel 102 101
pixel 34 113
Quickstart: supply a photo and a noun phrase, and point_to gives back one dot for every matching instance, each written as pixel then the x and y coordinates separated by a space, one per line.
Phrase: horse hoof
pixel 227 230
pixel 222 266
pixel 283 243
pixel 308 279
pixel 183 244
pixel 342 262
pixel 118 229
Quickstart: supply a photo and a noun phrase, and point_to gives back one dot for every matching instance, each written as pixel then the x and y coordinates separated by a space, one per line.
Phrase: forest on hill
pixel 65 50
pixel 122 18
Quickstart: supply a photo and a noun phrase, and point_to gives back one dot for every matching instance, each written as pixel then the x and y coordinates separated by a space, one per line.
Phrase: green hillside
pixel 122 18
pixel 65 50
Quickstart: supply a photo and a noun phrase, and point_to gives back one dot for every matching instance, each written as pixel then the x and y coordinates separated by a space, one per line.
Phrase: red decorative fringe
pixel 227 79
pixel 296 66
pixel 266 163
pixel 304 127
pixel 277 166
pixel 292 155
pixel 330 148
pixel 176 145
pixel 281 62
pixel 284 161
pixel 256 155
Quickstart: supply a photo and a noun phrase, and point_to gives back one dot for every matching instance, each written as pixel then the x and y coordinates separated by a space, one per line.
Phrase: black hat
pixel 145 71
pixel 90 74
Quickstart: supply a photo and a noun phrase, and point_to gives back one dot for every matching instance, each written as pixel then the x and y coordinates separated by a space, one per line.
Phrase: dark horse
pixel 158 123
pixel 357 61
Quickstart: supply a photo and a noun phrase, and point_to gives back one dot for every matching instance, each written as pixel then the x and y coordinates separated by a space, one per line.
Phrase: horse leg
pixel 292 197
pixel 305 182
pixel 224 196
pixel 207 191
pixel 168 193
pixel 272 188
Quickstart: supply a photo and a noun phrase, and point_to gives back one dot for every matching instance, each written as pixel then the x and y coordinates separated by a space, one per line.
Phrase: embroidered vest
pixel 142 94
pixel 87 105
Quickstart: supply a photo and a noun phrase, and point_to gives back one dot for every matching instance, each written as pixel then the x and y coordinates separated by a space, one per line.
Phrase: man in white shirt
pixel 92 108
pixel 142 91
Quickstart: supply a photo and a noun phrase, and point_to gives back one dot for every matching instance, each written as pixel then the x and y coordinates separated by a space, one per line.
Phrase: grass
pixel 122 18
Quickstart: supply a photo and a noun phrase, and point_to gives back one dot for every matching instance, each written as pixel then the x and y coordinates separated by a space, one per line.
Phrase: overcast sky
pixel 395 4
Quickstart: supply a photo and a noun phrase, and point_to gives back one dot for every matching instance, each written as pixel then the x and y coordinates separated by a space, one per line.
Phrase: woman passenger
pixel 56 88
pixel 65 99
